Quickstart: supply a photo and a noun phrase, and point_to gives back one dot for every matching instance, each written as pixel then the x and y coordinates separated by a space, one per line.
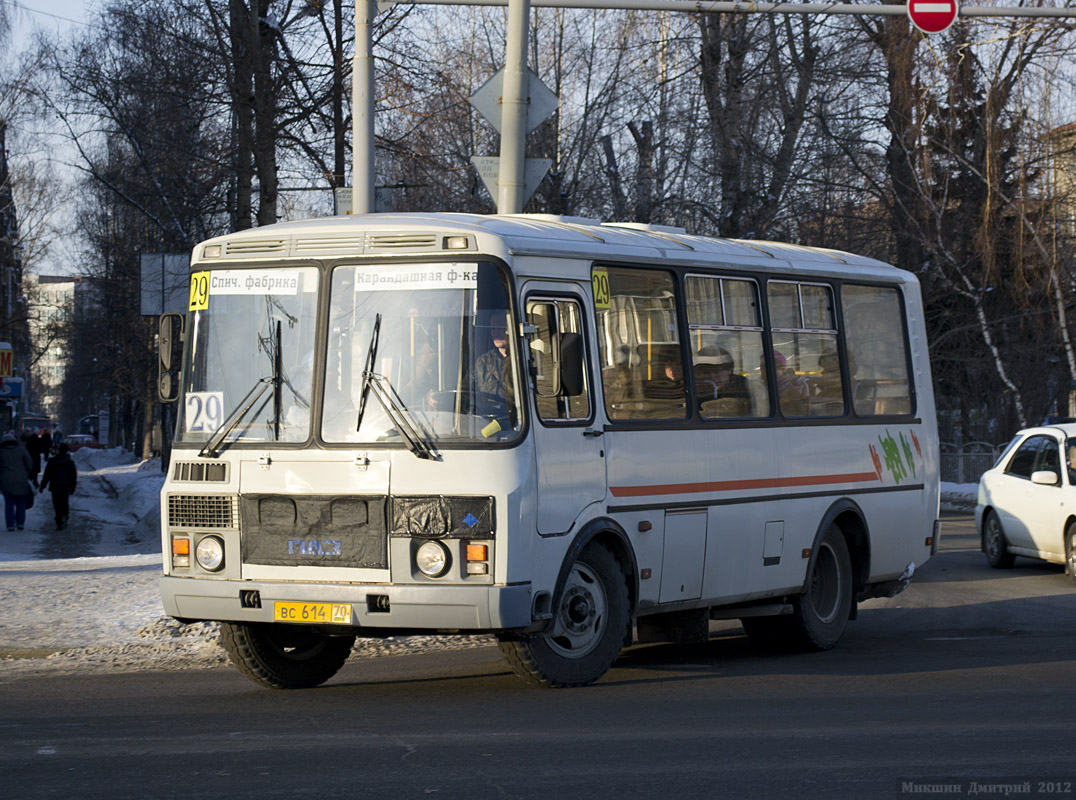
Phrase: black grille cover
pixel 464 517
pixel 314 530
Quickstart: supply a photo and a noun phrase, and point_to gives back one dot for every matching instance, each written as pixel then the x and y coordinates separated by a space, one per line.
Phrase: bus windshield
pixel 250 369
pixel 434 337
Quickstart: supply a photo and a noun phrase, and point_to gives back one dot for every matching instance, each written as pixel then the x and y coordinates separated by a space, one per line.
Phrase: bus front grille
pixel 203 511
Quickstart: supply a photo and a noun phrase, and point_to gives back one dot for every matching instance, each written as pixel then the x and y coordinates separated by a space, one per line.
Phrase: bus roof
pixel 417 234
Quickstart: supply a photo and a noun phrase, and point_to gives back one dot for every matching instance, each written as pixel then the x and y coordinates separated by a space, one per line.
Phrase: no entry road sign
pixel 932 16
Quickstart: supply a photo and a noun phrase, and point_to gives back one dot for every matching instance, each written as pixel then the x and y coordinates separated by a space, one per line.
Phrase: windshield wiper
pixel 212 447
pixel 399 415
pixel 371 355
pixel 278 374
pixel 387 396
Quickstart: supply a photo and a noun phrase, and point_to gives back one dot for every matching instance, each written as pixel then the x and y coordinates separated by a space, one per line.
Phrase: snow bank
pixel 958 496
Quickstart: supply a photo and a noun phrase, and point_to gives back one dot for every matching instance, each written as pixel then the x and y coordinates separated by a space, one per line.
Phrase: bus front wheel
pixel 588 630
pixel 819 615
pixel 284 656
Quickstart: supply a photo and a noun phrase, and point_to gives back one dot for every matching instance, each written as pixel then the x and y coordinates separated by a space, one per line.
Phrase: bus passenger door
pixel 568 451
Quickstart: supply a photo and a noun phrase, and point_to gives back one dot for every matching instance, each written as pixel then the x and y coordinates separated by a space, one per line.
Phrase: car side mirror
pixel 1045 477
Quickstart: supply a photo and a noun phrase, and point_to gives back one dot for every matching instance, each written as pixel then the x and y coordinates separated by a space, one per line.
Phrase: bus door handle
pixel 593 432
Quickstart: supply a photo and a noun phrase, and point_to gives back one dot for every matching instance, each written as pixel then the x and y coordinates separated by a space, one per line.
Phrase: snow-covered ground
pixel 85 598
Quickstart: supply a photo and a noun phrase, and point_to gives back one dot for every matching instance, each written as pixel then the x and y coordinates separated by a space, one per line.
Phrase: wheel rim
pixel 582 616
pixel 826 584
pixel 993 538
pixel 1072 554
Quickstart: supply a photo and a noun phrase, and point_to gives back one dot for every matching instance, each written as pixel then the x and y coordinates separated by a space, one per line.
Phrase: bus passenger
pixel 827 395
pixel 791 388
pixel 719 390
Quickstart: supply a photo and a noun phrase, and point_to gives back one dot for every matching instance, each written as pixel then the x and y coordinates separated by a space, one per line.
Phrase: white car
pixel 1027 500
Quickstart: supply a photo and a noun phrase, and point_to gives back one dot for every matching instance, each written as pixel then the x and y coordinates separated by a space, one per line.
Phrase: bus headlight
pixel 210 554
pixel 431 558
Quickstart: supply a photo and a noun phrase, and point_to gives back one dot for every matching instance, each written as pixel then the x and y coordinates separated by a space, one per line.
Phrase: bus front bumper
pixel 419 607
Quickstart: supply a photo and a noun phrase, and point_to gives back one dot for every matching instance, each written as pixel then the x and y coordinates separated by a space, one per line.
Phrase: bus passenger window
pixel 558 328
pixel 809 381
pixel 877 358
pixel 639 344
pixel 727 359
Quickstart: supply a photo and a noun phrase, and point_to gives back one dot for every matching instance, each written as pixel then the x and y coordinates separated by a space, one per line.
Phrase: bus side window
pixel 874 328
pixel 639 345
pixel 809 382
pixel 728 362
pixel 556 345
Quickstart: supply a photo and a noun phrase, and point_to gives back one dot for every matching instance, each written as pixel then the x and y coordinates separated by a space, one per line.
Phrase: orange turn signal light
pixel 181 546
pixel 477 552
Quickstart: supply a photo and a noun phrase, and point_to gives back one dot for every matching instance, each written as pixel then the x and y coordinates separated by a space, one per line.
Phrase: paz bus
pixel 568 434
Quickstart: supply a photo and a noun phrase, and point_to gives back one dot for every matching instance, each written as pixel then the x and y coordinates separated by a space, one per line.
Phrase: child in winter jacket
pixel 61 475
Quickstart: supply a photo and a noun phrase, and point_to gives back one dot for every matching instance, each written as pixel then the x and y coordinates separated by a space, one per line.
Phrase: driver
pixel 492 375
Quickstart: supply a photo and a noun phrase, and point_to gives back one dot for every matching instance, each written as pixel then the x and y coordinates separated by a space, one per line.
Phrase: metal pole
pixel 732 7
pixel 510 186
pixel 362 109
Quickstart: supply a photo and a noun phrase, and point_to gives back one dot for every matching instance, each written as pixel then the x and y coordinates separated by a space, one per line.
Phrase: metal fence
pixel 965 463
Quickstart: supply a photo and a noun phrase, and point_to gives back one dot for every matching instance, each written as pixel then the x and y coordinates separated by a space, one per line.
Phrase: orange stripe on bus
pixel 753 483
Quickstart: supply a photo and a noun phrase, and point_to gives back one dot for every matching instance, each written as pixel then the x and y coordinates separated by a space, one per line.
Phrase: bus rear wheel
pixel 819 615
pixel 588 629
pixel 284 656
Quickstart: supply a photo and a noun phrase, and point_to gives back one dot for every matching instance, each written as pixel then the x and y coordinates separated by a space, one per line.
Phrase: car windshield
pixel 250 359
pixel 419 354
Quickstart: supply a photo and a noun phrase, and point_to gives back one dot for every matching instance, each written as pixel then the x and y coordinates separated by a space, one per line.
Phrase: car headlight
pixel 431 558
pixel 210 553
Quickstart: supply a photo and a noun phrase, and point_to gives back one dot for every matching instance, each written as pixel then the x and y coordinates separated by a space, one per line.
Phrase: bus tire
pixel 994 545
pixel 819 615
pixel 284 656
pixel 588 628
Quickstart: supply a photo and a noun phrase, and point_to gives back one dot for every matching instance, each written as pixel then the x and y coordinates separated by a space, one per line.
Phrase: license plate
pixel 331 613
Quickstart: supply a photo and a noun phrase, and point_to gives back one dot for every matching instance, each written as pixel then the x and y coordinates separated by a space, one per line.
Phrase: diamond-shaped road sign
pixel 489 168
pixel 541 102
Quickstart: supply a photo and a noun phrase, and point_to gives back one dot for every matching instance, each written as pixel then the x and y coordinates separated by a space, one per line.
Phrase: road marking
pixel 958 638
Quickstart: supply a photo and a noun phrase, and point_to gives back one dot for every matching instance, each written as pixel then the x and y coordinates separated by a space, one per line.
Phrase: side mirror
pixel 169 335
pixel 571 364
pixel 1044 477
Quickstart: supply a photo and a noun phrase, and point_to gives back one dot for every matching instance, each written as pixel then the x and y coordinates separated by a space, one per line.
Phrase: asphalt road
pixel 964 681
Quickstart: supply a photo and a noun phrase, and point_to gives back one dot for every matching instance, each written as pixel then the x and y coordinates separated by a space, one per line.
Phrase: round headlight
pixel 210 553
pixel 431 558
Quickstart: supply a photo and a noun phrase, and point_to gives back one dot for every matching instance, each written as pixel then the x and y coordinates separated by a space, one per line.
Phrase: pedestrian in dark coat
pixel 60 476
pixel 33 447
pixel 16 467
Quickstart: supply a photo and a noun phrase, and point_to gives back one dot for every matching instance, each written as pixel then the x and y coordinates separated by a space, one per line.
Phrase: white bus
pixel 568 434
